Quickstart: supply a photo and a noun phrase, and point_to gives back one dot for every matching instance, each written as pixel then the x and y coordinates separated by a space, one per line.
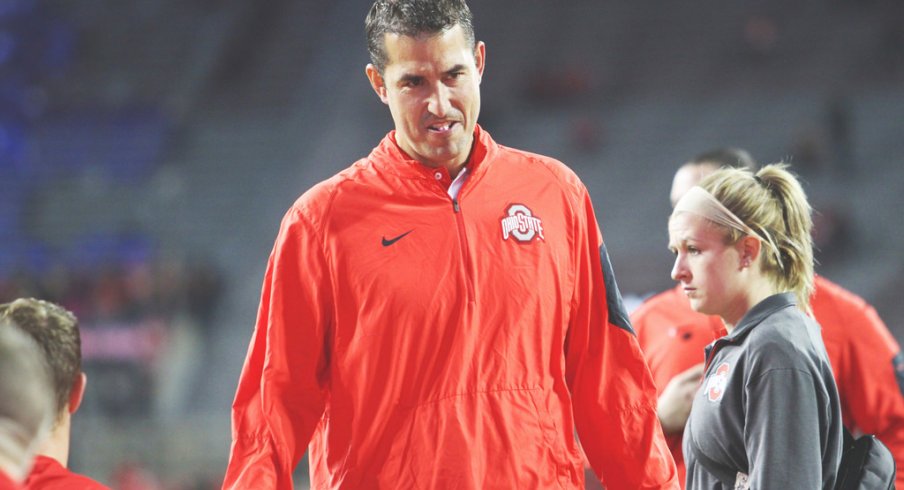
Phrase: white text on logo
pixel 521 224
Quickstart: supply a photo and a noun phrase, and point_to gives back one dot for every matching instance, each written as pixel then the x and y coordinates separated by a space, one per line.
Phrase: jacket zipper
pixel 463 239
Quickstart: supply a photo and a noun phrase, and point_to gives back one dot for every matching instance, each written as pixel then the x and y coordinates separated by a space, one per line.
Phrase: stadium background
pixel 149 149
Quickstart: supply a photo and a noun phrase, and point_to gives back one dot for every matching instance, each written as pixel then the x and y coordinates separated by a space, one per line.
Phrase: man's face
pixel 432 87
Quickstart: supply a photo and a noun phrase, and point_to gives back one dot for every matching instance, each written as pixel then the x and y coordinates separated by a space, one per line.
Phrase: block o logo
pixel 715 386
pixel 520 223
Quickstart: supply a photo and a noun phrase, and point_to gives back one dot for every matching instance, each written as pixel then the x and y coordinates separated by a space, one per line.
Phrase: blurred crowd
pixel 133 316
pixel 143 325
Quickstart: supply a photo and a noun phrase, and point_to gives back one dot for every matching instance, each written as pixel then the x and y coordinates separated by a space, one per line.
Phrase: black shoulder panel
pixel 618 314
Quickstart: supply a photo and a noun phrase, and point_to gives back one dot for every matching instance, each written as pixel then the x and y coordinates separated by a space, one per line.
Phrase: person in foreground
pixel 56 332
pixel 443 313
pixel 26 404
pixel 767 414
pixel 866 360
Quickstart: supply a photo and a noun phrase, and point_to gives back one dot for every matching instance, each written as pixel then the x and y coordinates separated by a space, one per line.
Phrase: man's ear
pixel 376 82
pixel 77 394
pixel 480 58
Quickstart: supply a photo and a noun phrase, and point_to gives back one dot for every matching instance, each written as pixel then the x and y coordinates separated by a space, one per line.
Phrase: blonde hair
pixel 773 203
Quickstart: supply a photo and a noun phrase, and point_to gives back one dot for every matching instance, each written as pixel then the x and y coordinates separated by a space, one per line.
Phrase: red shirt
pixel 865 358
pixel 868 366
pixel 49 474
pixel 7 484
pixel 409 340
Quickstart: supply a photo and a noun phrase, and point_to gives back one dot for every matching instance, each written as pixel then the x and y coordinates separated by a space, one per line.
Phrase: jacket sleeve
pixel 612 390
pixel 871 378
pixel 782 432
pixel 281 391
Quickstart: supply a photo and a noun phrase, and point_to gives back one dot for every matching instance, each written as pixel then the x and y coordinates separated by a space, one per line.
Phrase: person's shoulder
pixel 655 305
pixel 848 320
pixel 785 340
pixel 840 312
pixel 525 161
pixel 48 474
pixel 670 310
pixel 829 294
pixel 784 322
pixel 666 300
pixel 315 202
pixel 653 314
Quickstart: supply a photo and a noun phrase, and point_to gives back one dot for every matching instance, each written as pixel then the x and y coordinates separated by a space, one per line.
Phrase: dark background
pixel 149 149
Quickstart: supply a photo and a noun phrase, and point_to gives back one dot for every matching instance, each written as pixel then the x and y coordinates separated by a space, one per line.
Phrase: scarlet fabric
pixel 49 474
pixel 6 483
pixel 861 351
pixel 416 341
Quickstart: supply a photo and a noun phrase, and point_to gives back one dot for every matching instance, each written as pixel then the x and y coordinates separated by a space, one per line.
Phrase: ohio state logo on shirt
pixel 520 223
pixel 715 385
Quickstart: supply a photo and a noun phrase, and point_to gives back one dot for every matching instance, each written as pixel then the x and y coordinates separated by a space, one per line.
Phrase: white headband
pixel 700 202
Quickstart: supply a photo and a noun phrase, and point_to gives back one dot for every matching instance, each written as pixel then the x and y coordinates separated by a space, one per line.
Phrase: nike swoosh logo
pixel 389 242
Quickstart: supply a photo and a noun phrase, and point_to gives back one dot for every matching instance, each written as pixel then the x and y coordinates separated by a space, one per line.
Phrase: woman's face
pixel 707 268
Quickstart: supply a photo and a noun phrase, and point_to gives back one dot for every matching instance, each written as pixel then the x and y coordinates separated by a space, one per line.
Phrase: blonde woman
pixel 767 413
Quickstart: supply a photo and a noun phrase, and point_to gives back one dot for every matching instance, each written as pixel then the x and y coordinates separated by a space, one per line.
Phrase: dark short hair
pixel 55 330
pixel 413 18
pixel 726 157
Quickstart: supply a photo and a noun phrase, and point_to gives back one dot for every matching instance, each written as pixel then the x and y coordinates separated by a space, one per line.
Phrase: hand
pixel 674 405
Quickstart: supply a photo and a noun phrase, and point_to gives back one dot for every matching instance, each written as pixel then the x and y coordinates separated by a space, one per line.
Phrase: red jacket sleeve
pixel 870 379
pixel 612 390
pixel 281 391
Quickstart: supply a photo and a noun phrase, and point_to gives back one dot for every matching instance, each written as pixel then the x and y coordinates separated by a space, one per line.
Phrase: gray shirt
pixel 768 406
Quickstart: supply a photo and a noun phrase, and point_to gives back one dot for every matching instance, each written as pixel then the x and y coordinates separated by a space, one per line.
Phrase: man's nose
pixel 439 104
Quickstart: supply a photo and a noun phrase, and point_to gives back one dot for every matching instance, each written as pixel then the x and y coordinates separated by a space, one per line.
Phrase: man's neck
pixel 57 445
pixel 455 170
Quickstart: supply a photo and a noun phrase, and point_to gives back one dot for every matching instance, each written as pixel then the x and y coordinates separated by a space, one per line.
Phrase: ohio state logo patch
pixel 715 385
pixel 520 223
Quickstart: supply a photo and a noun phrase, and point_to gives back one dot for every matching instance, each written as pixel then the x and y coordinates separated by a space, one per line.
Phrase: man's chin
pixel 445 154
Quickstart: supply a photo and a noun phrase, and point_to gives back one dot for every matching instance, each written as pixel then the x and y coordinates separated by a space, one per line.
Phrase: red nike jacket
pixel 410 340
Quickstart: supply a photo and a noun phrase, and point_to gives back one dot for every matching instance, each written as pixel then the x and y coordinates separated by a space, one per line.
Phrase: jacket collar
pixel 759 313
pixel 388 157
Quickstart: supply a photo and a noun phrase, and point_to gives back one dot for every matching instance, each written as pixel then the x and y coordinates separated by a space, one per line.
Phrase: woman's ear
pixel 749 249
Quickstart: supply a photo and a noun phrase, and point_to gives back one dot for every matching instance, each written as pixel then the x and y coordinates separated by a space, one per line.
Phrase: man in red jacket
pixel 55 330
pixel 443 313
pixel 26 404
pixel 866 360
